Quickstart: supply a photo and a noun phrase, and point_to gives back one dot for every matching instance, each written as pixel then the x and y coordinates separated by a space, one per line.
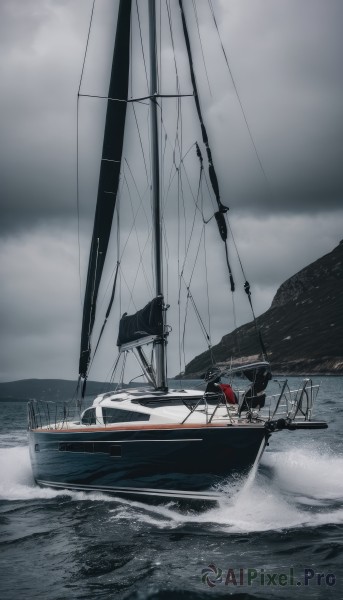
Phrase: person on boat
pixel 255 397
pixel 213 377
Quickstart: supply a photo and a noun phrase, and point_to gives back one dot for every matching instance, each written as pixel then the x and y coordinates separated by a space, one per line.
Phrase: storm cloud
pixel 285 58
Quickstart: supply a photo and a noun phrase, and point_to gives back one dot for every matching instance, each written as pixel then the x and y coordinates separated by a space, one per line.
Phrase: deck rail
pixel 49 414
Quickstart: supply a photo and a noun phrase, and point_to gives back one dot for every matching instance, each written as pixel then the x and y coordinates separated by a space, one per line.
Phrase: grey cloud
pixel 286 60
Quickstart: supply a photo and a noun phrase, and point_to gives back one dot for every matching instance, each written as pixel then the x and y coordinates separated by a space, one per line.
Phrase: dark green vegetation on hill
pixel 303 328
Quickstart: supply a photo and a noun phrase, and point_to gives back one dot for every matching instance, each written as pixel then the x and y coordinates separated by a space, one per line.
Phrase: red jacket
pixel 229 393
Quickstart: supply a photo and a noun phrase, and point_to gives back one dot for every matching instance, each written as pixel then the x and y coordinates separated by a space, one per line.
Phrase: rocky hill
pixel 303 328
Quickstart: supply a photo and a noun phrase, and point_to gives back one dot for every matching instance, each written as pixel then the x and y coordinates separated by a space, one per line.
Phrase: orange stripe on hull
pixel 148 427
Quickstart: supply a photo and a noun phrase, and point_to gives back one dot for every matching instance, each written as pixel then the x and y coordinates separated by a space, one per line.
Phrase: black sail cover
pixel 109 176
pixel 146 322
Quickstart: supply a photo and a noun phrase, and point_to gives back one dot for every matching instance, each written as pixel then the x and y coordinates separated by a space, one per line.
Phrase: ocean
pixel 276 535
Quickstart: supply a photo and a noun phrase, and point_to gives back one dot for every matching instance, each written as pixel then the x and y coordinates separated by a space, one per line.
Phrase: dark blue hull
pixel 178 462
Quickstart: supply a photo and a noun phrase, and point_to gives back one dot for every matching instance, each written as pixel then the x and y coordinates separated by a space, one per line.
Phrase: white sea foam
pixel 308 472
pixel 304 490
pixel 17 483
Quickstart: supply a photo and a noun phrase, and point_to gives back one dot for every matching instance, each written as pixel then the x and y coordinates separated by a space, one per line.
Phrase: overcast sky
pixel 286 59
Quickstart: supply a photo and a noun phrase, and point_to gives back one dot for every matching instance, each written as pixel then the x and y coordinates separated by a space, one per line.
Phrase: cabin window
pixel 114 415
pixel 89 417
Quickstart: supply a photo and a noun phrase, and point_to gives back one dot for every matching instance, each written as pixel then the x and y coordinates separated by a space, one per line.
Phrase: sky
pixel 285 58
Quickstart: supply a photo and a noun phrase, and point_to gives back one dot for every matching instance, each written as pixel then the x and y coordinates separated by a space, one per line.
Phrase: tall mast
pixel 161 376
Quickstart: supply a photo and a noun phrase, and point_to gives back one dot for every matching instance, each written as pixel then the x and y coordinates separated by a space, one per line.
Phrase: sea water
pixel 278 535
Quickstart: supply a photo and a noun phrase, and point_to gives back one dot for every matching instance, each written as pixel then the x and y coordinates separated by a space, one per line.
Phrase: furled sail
pixel 109 176
pixel 146 322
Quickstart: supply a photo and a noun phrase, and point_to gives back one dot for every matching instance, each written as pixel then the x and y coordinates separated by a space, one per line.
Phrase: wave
pixel 313 472
pixel 17 483
pixel 292 489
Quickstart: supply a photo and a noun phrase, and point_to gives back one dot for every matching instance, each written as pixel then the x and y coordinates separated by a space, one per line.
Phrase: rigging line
pixel 86 49
pixel 141 143
pixel 194 217
pixel 248 292
pixel 131 229
pixel 197 312
pixel 173 147
pixel 202 199
pixel 184 332
pixel 133 226
pixel 141 39
pixel 189 184
pixel 190 296
pixel 140 100
pixel 232 283
pixel 236 248
pixel 159 55
pixel 238 97
pixel 138 244
pixel 77 150
pixel 199 194
pixel 177 168
pixel 120 382
pixel 149 148
pixel 173 45
pixel 78 197
pixel 164 236
pixel 131 301
pixel 173 174
pixel 114 287
pixel 189 243
pixel 167 255
pixel 207 293
pixel 235 324
pixel 164 151
pixel 118 248
pixel 178 269
pixel 192 229
pixel 201 47
pixel 131 54
pixel 197 255
pixel 177 145
pixel 178 140
pixel 184 213
pixel 201 322
pixel 141 204
pixel 115 365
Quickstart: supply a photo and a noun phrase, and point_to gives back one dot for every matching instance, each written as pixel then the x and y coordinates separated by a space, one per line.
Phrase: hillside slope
pixel 303 328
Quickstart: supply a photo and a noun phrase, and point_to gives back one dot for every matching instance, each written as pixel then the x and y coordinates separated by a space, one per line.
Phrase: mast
pixel 160 344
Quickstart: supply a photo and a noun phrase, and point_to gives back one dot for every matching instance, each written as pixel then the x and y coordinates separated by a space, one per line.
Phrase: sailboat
pixel 156 439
